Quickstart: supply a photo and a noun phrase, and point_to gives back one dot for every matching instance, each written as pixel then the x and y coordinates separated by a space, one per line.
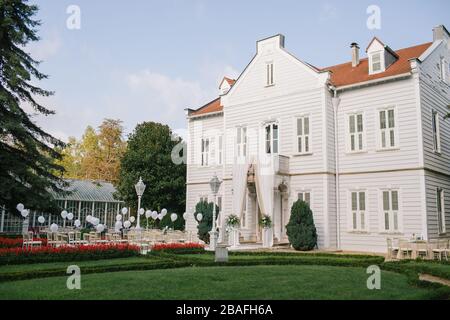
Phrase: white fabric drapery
pixel 239 185
pixel 264 181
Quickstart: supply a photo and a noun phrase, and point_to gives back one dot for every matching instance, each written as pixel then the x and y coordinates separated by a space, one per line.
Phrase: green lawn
pixel 251 282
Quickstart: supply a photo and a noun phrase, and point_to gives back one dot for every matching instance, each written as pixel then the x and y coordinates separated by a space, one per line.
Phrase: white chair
pixel 392 248
pixel 405 249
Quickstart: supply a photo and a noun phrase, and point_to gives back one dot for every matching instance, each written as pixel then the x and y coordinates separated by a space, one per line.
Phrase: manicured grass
pixel 251 282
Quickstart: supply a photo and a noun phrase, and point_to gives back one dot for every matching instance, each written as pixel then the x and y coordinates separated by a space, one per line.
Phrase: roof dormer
pixel 225 85
pixel 380 56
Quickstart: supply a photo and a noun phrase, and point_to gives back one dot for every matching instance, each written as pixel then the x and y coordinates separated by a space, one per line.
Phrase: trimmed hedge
pixel 50 254
pixel 179 248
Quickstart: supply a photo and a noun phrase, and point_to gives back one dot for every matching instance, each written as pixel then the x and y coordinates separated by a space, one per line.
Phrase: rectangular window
pixel 387 129
pixel 203 199
pixel 436 132
pixel 390 210
pixel 356 132
pixel 271 138
pixel 376 62
pixel 358 210
pixel 241 142
pixel 269 75
pixel 205 151
pixel 440 210
pixel 220 150
pixel 304 196
pixel 303 135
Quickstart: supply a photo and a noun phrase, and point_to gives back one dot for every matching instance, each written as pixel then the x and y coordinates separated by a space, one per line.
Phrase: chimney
pixel 440 33
pixel 355 54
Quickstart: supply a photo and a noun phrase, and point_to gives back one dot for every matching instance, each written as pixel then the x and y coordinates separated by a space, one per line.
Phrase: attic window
pixel 269 74
pixel 375 63
pixel 444 66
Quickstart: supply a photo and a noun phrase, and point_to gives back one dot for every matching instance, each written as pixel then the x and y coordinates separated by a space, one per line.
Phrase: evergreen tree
pixel 301 230
pixel 28 170
pixel 148 155
pixel 205 225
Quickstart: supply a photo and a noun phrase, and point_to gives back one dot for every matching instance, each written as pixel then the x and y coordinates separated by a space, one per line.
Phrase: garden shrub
pixel 179 248
pixel 301 230
pixel 50 254
pixel 205 225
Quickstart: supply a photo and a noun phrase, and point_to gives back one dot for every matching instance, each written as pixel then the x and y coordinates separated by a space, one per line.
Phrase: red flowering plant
pixel 17 242
pixel 66 253
pixel 180 248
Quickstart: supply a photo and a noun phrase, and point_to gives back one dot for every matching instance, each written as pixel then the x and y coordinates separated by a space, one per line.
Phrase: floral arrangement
pixel 265 222
pixel 180 248
pixel 16 242
pixel 66 253
pixel 233 221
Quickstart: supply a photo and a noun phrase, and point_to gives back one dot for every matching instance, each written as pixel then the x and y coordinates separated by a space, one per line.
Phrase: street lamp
pixel 140 188
pixel 214 183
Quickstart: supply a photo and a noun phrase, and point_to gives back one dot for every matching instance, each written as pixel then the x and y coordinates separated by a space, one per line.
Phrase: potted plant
pixel 266 223
pixel 233 223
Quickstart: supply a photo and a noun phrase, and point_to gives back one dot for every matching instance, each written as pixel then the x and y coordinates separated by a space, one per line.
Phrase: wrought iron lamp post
pixel 140 188
pixel 214 183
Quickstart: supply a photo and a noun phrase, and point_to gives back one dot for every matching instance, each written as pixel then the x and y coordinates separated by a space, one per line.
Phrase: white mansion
pixel 365 143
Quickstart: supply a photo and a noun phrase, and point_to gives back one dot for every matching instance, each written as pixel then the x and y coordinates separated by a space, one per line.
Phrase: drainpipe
pixel 335 101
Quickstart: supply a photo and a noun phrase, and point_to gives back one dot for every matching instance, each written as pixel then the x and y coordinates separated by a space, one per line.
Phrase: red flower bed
pixel 188 247
pixel 66 253
pixel 17 242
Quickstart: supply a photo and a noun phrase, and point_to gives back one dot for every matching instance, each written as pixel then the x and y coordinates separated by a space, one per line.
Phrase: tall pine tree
pixel 28 170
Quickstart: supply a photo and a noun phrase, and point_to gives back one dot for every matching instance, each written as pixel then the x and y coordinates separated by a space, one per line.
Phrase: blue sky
pixel 143 60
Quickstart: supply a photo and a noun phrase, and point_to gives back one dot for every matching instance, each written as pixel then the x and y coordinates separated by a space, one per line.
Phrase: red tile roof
pixel 213 106
pixel 344 74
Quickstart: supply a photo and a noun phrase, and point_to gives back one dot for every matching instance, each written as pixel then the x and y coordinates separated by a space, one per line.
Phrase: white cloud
pixel 47 47
pixel 328 12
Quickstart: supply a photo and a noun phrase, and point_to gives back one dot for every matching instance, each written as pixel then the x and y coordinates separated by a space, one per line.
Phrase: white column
pixel 106 210
pixel 79 210
pixel 2 223
pixel 34 218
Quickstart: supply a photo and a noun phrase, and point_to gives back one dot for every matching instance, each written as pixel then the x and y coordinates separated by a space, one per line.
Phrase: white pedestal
pixel 221 254
pixel 213 236
pixel 267 237
pixel 233 239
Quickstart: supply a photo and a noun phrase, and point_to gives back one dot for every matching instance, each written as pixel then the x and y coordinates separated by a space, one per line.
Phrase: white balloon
pixel 89 218
pixel 199 217
pixel 132 219
pixel 185 216
pixel 70 216
pixel 77 223
pixel 118 217
pixel 95 221
pixel 154 215
pixel 127 224
pixel 141 211
pixel 124 211
pixel 173 217
pixel 20 207
pixel 148 214
pixel 100 228
pixel 41 219
pixel 54 227
pixel 160 216
pixel 164 212
pixel 64 214
pixel 24 213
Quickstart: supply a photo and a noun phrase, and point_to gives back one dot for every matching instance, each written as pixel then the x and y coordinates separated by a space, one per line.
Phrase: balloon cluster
pixel 23 212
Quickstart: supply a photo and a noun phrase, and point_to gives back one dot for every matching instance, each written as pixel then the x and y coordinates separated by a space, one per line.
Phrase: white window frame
pixel 440 202
pixel 303 194
pixel 390 217
pixel 302 138
pixel 271 139
pixel 205 153
pixel 435 127
pixel 269 74
pixel 387 130
pixel 241 142
pixel 358 220
pixel 219 150
pixel 371 62
pixel 359 137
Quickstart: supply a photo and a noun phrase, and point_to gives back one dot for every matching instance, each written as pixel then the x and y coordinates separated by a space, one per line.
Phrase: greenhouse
pixel 84 197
